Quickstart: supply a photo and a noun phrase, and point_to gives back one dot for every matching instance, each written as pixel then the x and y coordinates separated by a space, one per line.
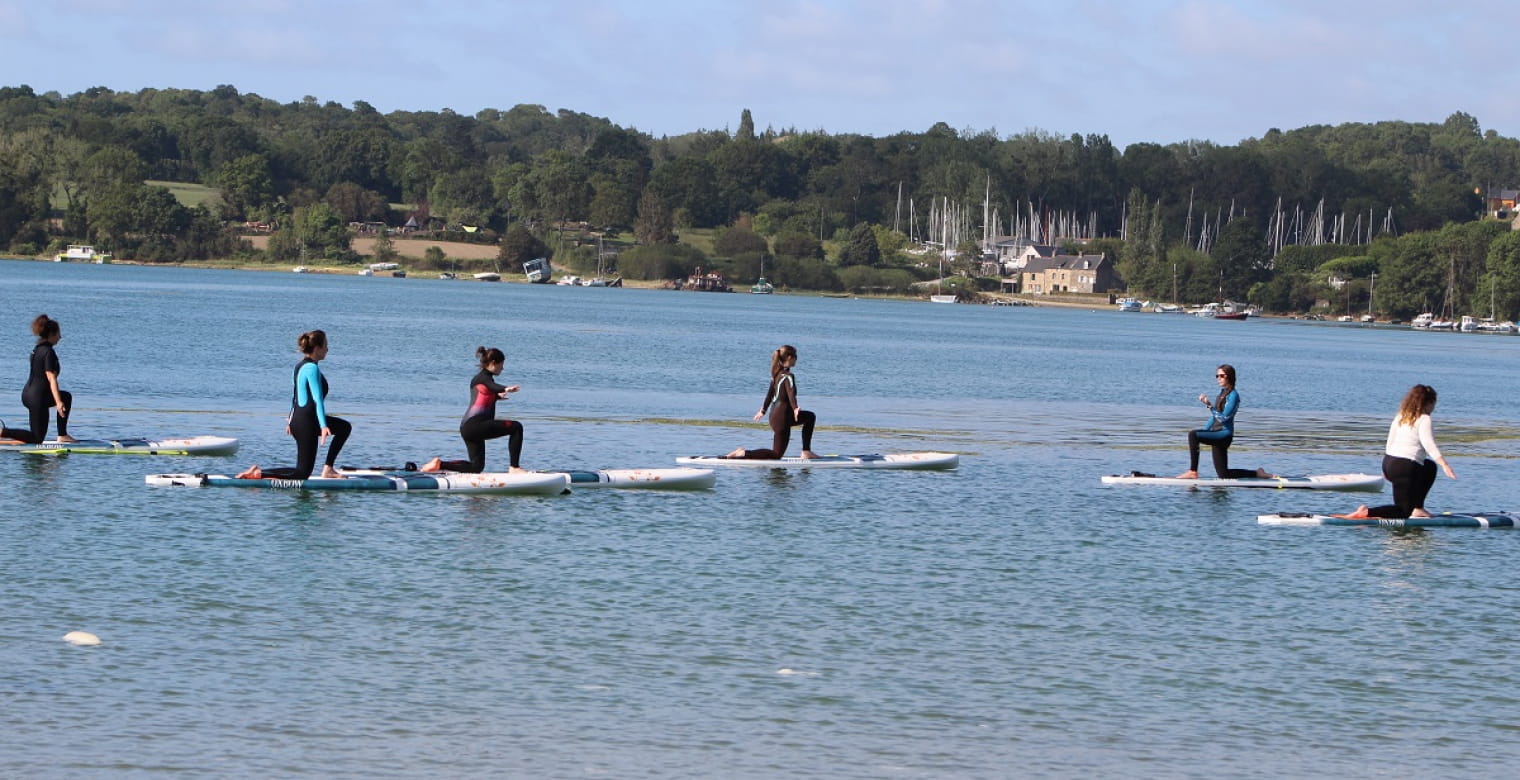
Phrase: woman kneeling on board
pixel 41 392
pixel 1410 457
pixel 781 400
pixel 309 423
pixel 480 423
pixel 1220 431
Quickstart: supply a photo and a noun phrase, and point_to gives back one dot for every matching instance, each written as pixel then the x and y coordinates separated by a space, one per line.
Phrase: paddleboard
pixel 628 479
pixel 896 460
pixel 1368 482
pixel 1443 520
pixel 399 482
pixel 194 445
pixel 642 479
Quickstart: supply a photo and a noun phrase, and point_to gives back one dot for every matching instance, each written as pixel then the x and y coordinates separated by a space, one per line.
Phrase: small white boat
pixel 488 276
pixel 597 282
pixel 1487 325
pixel 1468 324
pixel 1130 304
pixel 366 272
pixel 300 269
pixel 1168 308
pixel 569 281
pixel 383 266
pixel 942 298
pixel 1422 321
pixel 762 287
pixel 447 275
pixel 81 253
pixel 538 270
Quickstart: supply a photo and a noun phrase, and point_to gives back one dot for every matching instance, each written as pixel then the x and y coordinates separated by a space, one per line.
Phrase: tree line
pixel 809 208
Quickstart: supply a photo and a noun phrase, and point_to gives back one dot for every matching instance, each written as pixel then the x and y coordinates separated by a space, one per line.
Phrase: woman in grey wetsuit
pixel 781 402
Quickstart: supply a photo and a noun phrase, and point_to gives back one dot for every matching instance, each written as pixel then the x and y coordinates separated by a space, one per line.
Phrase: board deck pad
pixel 1509 520
pixel 896 460
pixel 398 482
pixel 1368 482
pixel 192 445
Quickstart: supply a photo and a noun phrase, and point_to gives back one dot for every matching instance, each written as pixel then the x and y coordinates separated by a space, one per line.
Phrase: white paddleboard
pixel 193 445
pixel 896 460
pixel 1368 482
pixel 627 479
pixel 642 479
pixel 1443 520
pixel 398 482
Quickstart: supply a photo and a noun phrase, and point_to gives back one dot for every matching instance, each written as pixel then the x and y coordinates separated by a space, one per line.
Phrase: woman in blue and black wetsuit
pixel 41 392
pixel 480 423
pixel 309 423
pixel 1220 431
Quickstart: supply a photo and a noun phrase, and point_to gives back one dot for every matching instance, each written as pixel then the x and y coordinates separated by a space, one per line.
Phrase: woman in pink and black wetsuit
pixel 480 423
pixel 781 401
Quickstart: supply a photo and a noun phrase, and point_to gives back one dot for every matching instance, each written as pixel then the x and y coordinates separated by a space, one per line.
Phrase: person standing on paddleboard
pixel 781 401
pixel 480 423
pixel 309 423
pixel 41 392
pixel 1220 431
pixel 1410 457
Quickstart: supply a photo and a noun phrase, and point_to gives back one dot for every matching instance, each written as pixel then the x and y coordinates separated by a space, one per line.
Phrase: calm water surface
pixel 1011 618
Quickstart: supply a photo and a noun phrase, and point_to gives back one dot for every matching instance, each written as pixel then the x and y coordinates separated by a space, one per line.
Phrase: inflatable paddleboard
pixel 1369 482
pixel 194 445
pixel 398 482
pixel 896 460
pixel 642 479
pixel 628 479
pixel 1443 520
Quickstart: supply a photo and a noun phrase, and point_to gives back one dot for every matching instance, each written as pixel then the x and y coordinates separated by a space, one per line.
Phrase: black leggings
pixel 38 417
pixel 1411 484
pixel 308 438
pixel 475 432
pixel 1220 447
pixel 781 434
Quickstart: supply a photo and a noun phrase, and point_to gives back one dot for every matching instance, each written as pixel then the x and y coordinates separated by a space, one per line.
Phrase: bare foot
pixel 328 472
pixel 517 470
pixel 252 472
pixel 808 455
pixel 67 440
pixel 436 464
pixel 738 453
pixel 1360 513
pixel 1264 474
pixel 1189 474
pixel 1418 513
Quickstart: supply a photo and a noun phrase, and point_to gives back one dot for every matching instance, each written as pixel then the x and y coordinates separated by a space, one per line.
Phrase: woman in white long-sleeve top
pixel 1410 457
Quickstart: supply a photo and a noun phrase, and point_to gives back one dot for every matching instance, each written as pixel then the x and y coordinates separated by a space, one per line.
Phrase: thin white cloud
pixel 14 21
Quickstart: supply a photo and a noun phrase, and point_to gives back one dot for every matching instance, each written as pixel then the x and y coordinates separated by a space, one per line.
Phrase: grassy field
pixel 189 195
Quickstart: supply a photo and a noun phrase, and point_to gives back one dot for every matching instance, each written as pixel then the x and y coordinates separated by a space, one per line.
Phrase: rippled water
pixel 1011 618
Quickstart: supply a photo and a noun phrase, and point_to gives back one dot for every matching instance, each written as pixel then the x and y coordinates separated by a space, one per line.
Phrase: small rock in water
pixel 81 638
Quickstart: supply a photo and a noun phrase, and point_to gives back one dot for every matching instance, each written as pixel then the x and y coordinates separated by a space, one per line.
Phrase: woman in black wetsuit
pixel 480 423
pixel 42 392
pixel 781 401
pixel 309 423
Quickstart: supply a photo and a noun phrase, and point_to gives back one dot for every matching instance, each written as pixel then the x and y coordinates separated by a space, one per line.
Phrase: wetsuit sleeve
pixel 310 383
pixel 1427 435
pixel 491 385
pixel 770 395
pixel 50 363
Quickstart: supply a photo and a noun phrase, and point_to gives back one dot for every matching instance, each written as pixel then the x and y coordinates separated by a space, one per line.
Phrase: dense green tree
pixel 356 204
pixel 245 184
pixel 798 245
pixel 736 241
pixel 861 249
pixel 518 246
pixel 655 223
pixel 1241 257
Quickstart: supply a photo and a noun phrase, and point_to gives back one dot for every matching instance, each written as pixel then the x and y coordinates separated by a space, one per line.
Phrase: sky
pixel 1158 71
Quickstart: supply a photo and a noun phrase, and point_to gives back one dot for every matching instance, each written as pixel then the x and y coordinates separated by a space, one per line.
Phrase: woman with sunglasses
pixel 1220 431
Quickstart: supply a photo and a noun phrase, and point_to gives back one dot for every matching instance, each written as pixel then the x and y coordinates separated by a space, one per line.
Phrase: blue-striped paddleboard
pixel 193 445
pixel 397 482
pixel 1443 520
pixel 625 479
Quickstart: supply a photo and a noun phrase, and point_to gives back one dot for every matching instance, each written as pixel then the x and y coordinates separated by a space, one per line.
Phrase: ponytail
pixel 44 328
pixel 311 341
pixel 489 356
pixel 778 358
